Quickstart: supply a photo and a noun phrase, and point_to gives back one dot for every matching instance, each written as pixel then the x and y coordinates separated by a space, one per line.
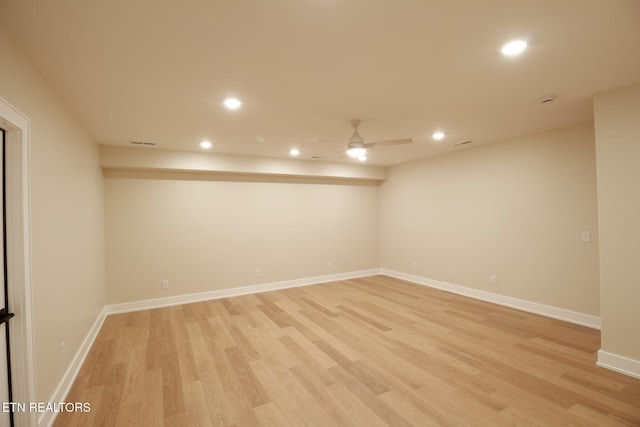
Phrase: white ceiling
pixel 158 70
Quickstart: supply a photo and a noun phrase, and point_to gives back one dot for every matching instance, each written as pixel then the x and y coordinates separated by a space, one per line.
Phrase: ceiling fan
pixel 356 147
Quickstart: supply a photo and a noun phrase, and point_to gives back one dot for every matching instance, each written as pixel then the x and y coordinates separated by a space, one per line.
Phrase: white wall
pixel 205 232
pixel 67 219
pixel 514 209
pixel 618 147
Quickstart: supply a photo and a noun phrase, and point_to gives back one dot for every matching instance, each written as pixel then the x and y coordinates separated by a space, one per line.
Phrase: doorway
pixel 17 374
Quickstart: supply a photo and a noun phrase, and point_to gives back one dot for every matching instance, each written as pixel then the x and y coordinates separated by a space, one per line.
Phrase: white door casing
pixel 16 127
pixel 5 381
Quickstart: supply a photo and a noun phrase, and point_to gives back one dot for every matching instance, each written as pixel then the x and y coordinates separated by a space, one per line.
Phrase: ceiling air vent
pixel 547 99
pixel 142 143
pixel 462 143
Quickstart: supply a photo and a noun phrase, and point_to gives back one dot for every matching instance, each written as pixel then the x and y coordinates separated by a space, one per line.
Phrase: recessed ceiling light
pixel 232 103
pixel 294 151
pixel 514 47
pixel 205 144
pixel 438 136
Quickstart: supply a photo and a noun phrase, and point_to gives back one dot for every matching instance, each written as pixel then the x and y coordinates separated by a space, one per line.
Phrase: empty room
pixel 320 213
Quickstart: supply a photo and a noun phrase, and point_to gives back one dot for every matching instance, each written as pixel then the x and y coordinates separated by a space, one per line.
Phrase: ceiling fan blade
pixel 326 140
pixel 389 142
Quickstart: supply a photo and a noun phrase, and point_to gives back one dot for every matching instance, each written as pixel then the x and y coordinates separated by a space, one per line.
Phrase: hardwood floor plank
pixel 179 330
pixel 270 415
pixel 359 414
pixel 595 417
pixel 196 411
pixel 321 395
pixel 107 413
pixel 247 378
pixel 231 389
pixel 154 343
pixel 370 400
pixel 289 396
pixel 364 318
pixel 130 414
pixel 310 362
pixel 152 399
pixel 319 307
pixel 172 380
pixel 416 416
pixel 271 349
pixel 217 404
pixel 241 340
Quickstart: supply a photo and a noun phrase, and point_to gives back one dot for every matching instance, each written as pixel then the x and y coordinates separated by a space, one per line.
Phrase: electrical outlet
pixel 585 236
pixel 258 273
pixel 493 279
pixel 165 284
pixel 451 273
pixel 329 264
pixel 414 264
pixel 63 350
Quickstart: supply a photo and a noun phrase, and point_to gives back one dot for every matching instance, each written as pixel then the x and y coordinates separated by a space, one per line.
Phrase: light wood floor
pixel 366 352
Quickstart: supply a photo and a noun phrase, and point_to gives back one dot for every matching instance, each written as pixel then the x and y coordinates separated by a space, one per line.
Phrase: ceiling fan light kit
pixel 356 149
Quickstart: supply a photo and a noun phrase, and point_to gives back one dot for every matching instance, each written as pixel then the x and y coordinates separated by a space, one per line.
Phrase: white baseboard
pixel 46 419
pixel 531 307
pixel 232 292
pixel 621 364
